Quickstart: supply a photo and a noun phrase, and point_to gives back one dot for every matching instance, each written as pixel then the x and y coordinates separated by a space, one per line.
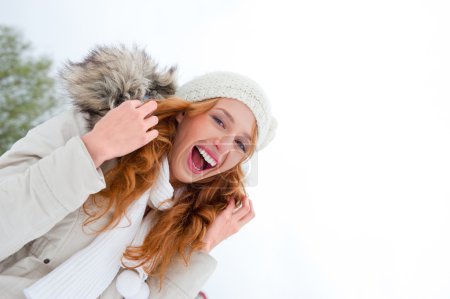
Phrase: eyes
pixel 241 145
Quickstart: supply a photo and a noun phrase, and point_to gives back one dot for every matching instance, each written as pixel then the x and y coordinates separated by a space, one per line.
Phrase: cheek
pixel 191 131
pixel 231 161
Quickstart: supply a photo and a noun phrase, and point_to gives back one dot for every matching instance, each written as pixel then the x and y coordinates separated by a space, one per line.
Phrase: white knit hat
pixel 234 86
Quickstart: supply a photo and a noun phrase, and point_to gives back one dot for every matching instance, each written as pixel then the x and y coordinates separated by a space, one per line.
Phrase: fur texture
pixel 110 75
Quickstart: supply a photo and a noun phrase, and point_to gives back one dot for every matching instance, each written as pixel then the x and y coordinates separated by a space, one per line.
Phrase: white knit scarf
pixel 89 272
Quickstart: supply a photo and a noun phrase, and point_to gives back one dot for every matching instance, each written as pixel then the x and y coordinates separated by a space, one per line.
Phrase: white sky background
pixel 352 199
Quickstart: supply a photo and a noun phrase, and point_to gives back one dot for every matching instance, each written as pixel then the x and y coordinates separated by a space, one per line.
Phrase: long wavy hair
pixel 178 231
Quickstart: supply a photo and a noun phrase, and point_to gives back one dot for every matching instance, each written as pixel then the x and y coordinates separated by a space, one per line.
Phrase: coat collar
pixel 110 75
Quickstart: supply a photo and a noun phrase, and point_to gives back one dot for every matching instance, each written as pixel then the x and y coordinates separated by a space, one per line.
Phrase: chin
pixel 182 178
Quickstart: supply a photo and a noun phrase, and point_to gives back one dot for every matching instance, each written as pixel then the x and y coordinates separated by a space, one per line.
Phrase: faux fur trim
pixel 110 75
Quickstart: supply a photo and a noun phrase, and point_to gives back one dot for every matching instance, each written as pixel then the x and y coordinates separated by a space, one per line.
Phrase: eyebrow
pixel 232 120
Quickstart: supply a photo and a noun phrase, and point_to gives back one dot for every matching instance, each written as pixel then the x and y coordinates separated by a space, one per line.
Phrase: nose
pixel 223 144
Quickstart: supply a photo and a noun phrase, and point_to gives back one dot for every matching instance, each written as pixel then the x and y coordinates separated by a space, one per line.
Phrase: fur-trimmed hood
pixel 110 75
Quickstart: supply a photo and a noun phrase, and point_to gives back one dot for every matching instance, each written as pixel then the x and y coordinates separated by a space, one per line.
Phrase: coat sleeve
pixel 181 281
pixel 43 177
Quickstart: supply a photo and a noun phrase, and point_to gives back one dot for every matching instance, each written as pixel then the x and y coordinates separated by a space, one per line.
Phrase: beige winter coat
pixel 44 180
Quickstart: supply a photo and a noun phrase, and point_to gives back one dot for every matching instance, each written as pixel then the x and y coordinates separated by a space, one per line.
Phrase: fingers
pixel 150 135
pixel 144 110
pixel 133 103
pixel 147 108
pixel 229 209
pixel 244 209
pixel 150 122
pixel 231 206
pixel 248 216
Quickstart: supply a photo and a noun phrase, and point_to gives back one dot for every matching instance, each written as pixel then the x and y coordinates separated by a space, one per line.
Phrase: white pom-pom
pixel 128 283
pixel 143 293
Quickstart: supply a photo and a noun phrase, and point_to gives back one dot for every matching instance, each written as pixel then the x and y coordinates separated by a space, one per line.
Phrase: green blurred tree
pixel 26 88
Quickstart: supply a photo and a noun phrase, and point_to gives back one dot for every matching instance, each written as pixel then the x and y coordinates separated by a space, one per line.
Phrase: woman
pixel 117 196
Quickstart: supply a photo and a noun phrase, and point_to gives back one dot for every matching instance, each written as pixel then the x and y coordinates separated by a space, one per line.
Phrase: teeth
pixel 207 157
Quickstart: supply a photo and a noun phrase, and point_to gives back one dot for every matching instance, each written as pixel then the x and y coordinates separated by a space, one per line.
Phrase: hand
pixel 121 131
pixel 228 222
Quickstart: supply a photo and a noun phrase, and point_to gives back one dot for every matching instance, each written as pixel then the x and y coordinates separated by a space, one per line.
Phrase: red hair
pixel 178 231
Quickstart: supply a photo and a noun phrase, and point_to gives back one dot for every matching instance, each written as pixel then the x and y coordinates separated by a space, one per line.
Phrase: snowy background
pixel 352 197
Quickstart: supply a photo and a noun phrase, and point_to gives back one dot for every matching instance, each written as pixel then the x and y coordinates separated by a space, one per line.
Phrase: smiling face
pixel 211 142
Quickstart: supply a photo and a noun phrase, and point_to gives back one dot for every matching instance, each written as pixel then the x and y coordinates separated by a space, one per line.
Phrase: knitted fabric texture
pixel 234 86
pixel 87 273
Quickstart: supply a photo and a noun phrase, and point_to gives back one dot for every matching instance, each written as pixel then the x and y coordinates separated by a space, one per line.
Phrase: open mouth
pixel 200 160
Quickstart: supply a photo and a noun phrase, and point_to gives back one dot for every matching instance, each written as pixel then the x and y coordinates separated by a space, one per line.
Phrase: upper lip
pixel 210 153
